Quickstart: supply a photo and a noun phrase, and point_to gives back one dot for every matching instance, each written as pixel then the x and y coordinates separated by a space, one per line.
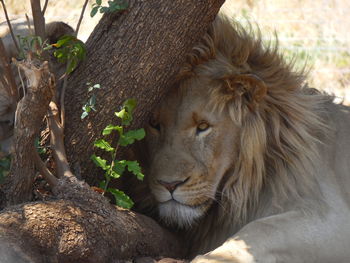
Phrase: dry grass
pixel 316 32
pixel 63 10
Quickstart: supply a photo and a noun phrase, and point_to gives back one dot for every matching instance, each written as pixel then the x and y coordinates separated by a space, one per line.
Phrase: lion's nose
pixel 170 186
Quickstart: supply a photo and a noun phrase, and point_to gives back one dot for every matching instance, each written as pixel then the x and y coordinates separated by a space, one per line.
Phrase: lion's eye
pixel 203 126
pixel 154 124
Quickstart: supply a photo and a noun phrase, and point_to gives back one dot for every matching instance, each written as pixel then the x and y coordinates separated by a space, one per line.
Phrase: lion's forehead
pixel 184 104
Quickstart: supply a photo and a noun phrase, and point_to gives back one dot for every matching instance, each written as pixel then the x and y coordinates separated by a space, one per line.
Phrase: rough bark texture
pixel 18 185
pixel 137 54
pixel 80 226
pixel 134 54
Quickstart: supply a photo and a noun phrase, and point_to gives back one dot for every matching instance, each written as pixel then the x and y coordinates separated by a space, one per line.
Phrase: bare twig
pixel 57 144
pixel 38 18
pixel 45 6
pixel 66 75
pixel 9 25
pixel 81 17
pixel 29 25
pixel 4 60
pixel 41 167
pixel 22 82
pixel 63 91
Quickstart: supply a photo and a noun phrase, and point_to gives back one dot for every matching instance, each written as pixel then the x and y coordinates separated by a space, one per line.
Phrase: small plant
pixel 115 168
pixel 69 50
pixel 113 6
pixel 90 104
pixel 30 44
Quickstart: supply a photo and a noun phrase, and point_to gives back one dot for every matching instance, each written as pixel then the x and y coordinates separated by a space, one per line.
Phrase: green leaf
pixel 86 108
pixel 92 101
pixel 94 11
pixel 72 65
pixel 124 116
pixel 98 2
pixel 35 41
pixel 48 47
pixel 121 199
pixel 63 41
pixel 109 128
pixel 125 141
pixel 121 114
pixel 102 184
pixel 130 137
pixel 116 5
pixel 84 115
pixel 100 162
pixel 136 134
pixel 102 144
pixel 134 167
pixel 104 9
pixel 119 167
pixel 113 174
pixel 130 105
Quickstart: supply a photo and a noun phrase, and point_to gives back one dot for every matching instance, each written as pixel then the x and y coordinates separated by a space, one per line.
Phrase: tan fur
pixel 268 133
pixel 280 137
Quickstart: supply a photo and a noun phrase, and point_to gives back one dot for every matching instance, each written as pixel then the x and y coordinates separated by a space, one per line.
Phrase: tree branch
pixel 29 25
pixel 39 19
pixel 45 6
pixel 30 112
pixel 63 91
pixel 57 144
pixel 40 166
pixel 81 17
pixel 82 226
pixel 9 25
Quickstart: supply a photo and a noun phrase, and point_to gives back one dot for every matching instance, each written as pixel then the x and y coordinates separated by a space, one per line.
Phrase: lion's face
pixel 192 147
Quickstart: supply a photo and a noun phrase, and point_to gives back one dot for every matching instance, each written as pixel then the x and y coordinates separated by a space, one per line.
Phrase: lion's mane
pixel 279 136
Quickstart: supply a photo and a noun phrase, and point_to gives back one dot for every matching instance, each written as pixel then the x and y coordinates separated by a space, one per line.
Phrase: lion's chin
pixel 176 214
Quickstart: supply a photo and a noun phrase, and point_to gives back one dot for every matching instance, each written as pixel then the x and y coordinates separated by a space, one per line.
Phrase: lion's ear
pixel 249 87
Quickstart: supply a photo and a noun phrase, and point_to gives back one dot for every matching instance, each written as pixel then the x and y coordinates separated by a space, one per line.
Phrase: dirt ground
pixel 315 33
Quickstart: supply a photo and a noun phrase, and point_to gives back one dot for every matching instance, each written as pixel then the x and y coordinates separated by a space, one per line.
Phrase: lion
pixel 247 160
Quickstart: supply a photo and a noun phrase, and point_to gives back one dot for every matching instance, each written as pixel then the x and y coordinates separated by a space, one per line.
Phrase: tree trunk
pixel 133 54
pixel 80 226
pixel 18 184
pixel 136 54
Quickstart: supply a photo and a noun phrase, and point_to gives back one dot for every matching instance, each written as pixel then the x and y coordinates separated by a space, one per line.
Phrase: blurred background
pixel 316 32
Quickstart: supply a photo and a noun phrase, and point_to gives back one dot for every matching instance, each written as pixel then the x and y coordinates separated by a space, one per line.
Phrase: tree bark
pixel 18 185
pixel 80 226
pixel 133 54
pixel 136 54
